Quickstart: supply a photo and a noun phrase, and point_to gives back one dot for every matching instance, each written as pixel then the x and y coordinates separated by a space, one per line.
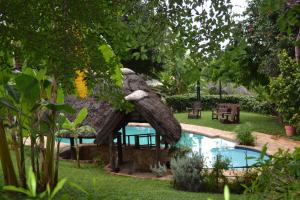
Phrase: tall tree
pixel 60 37
pixel 252 57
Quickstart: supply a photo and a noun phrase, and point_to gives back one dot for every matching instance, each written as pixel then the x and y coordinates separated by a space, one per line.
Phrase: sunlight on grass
pixel 261 123
pixel 116 187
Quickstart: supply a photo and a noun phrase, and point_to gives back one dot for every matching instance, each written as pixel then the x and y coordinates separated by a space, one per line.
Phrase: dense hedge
pixel 179 103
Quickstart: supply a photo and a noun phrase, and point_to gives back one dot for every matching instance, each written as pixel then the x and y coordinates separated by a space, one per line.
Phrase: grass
pixel 105 186
pixel 116 187
pixel 261 123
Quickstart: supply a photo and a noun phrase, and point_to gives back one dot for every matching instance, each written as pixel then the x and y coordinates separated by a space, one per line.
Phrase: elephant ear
pixel 81 116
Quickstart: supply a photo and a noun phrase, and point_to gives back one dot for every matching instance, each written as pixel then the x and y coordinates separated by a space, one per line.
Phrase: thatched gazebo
pixel 148 108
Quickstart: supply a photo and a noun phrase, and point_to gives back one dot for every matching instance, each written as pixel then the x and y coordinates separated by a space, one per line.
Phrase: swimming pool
pixel 208 147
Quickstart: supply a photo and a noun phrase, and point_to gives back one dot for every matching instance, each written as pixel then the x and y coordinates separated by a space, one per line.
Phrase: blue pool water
pixel 208 147
pixel 67 140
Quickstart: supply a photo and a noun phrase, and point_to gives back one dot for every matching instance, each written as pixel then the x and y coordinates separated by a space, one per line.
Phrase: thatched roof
pixel 148 108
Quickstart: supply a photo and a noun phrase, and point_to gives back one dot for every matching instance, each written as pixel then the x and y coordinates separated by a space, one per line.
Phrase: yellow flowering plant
pixel 80 84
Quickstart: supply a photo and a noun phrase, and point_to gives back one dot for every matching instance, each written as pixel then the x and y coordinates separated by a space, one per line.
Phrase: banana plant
pixel 74 128
pixel 31 189
pixel 24 109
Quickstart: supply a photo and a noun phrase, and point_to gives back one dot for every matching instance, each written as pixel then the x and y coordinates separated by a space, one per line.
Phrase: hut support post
pixel 124 135
pixel 157 141
pixel 80 140
pixel 166 145
pixel 120 153
pixel 137 141
pixel 111 152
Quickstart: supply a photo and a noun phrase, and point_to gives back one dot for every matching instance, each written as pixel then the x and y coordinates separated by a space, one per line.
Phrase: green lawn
pixel 261 123
pixel 124 188
pixel 119 188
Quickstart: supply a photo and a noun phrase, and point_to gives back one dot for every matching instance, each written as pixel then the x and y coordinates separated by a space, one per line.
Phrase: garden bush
pixel 284 89
pixel 239 184
pixel 188 173
pixel 279 177
pixel 179 103
pixel 244 134
pixel 159 170
pixel 191 174
pixel 179 151
pixel 215 180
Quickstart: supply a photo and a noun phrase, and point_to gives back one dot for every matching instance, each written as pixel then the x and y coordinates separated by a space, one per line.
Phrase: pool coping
pixel 273 143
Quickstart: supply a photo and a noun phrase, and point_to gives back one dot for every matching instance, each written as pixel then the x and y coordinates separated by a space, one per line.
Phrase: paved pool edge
pixel 273 143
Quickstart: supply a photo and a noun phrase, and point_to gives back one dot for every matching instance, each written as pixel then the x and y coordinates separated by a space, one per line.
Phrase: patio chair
pixel 230 113
pixel 195 111
pixel 218 110
pixel 235 113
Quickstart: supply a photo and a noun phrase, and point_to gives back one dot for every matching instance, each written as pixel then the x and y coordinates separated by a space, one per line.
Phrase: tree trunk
pixel 9 174
pixel 77 151
pixel 56 164
pixel 43 160
pixel 38 175
pixel 220 89
pixel 17 62
pixel 16 148
pixel 15 141
pixel 22 154
pixel 297 47
pixel 32 153
pixel 50 146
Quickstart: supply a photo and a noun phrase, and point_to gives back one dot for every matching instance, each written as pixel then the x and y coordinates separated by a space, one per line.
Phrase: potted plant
pixel 290 124
pixel 284 92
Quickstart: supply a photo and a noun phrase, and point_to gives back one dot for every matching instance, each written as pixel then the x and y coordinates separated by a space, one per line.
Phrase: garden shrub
pixel 159 170
pixel 188 173
pixel 179 151
pixel 279 177
pixel 244 134
pixel 284 89
pixel 215 180
pixel 239 184
pixel 179 103
pixel 191 174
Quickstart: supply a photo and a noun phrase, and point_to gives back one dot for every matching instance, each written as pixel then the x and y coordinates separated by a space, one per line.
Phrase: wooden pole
pixel 198 92
pixel 137 141
pixel 111 152
pixel 120 153
pixel 297 48
pixel 166 145
pixel 220 90
pixel 124 135
pixel 157 141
